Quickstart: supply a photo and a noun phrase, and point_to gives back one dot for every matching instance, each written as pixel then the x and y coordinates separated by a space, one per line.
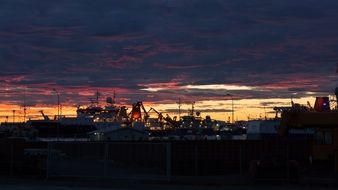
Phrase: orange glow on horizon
pixel 244 109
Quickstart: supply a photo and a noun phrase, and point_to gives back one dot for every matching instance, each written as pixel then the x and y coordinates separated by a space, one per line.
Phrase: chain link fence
pixel 131 160
pixel 277 159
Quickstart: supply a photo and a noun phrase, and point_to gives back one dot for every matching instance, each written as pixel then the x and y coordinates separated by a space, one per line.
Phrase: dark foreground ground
pixel 32 184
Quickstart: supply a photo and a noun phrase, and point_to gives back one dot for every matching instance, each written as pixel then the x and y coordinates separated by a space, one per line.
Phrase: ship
pixel 88 119
pixel 323 119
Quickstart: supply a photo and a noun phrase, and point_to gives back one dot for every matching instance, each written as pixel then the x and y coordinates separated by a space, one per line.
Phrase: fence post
pixel 196 164
pixel 168 161
pixel 240 158
pixel 11 166
pixel 48 160
pixel 287 161
pixel 105 159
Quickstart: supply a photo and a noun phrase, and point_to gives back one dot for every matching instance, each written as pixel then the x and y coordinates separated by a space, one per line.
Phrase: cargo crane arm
pixel 146 114
pixel 160 116
pixel 45 117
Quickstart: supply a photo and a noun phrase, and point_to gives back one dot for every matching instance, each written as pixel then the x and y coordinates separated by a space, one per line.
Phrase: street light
pixel 13 116
pixel 58 96
pixel 58 123
pixel 232 107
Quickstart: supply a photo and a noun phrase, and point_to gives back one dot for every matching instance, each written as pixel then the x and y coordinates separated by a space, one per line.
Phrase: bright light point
pixel 218 87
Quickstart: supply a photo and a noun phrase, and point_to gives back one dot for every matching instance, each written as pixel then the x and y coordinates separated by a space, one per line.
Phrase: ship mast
pixel 179 108
pixel 114 97
pixel 97 98
pixel 192 108
pixel 24 106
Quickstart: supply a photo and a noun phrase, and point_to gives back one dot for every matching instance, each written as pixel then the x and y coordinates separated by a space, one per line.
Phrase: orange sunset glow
pixel 245 109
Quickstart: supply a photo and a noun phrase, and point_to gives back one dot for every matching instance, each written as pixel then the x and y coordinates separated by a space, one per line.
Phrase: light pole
pixel 179 108
pixel 58 122
pixel 232 107
pixel 58 96
pixel 13 116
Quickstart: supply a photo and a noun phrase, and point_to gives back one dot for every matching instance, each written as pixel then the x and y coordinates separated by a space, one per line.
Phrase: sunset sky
pixel 262 52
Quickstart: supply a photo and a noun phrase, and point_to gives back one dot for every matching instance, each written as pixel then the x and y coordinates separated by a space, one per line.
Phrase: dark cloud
pixel 279 47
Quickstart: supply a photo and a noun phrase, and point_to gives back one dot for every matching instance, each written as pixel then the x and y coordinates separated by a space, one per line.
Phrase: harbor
pixel 152 94
pixel 113 143
pixel 100 123
pixel 113 122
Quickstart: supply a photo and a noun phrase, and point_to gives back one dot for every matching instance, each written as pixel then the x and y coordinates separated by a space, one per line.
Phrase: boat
pixel 88 119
